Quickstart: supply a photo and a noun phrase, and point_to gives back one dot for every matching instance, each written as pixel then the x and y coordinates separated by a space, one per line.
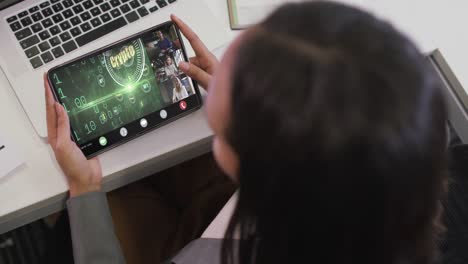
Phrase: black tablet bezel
pixel 193 102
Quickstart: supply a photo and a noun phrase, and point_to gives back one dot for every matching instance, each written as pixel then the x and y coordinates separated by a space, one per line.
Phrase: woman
pixel 337 141
pixel 179 92
pixel 169 68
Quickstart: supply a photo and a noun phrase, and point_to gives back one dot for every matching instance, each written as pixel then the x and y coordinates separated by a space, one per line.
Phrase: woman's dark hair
pixel 340 128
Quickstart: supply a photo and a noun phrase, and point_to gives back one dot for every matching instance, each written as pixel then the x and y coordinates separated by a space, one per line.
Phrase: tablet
pixel 126 89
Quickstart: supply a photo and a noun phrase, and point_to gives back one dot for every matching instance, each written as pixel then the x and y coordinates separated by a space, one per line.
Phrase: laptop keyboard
pixel 52 28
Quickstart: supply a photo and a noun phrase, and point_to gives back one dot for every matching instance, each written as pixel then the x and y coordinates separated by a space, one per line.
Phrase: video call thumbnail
pixel 104 92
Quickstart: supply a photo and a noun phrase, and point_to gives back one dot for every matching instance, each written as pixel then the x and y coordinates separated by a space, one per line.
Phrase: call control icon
pixel 183 105
pixel 103 141
pixel 123 132
pixel 143 123
pixel 163 114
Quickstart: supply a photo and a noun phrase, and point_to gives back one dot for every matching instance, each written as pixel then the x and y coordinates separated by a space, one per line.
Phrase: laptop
pixel 40 34
pixel 455 94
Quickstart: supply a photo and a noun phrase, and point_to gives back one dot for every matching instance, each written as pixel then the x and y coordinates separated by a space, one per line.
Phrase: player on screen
pixel 179 92
pixel 164 44
pixel 169 68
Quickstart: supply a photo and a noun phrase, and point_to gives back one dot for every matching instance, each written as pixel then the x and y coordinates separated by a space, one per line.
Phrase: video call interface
pixel 106 92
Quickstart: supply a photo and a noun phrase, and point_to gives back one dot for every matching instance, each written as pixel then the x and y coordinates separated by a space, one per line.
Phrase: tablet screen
pixel 117 93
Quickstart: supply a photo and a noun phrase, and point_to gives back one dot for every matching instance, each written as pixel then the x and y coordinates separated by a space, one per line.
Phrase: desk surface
pixel 38 188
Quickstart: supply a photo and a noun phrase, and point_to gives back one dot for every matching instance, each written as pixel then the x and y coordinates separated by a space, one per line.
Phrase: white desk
pixel 38 188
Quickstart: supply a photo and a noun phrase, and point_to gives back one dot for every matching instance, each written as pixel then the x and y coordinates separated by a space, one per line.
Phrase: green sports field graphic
pixel 104 92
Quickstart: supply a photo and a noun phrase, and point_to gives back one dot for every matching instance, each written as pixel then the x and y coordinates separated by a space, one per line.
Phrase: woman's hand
pixel 82 175
pixel 202 66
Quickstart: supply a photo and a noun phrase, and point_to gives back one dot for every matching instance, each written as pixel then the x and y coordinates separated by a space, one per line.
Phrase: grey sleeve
pixel 92 230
